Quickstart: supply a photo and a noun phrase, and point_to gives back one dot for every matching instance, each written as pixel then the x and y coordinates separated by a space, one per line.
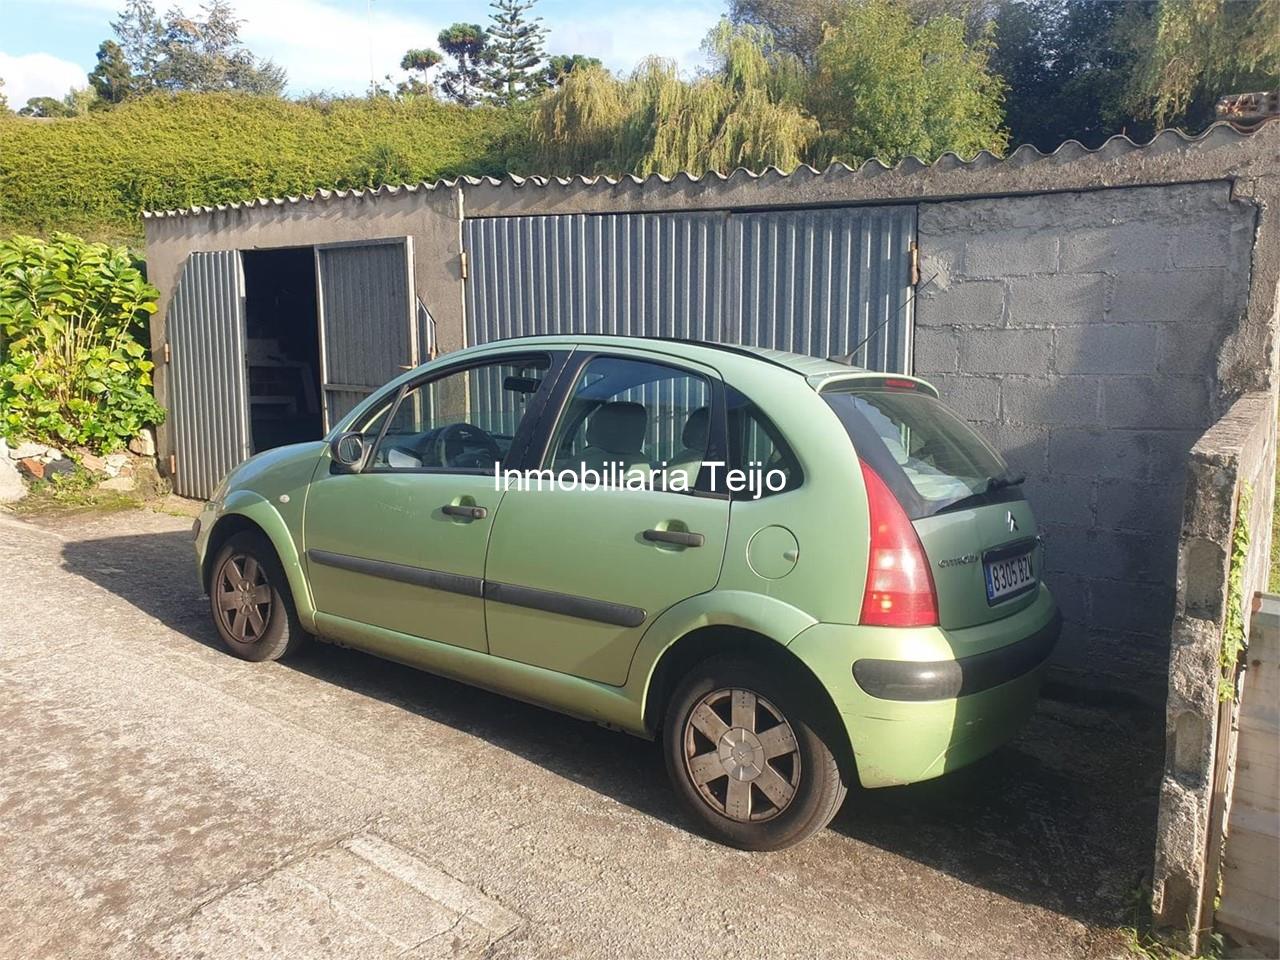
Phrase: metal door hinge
pixel 463 260
pixel 173 464
pixel 168 354
pixel 915 263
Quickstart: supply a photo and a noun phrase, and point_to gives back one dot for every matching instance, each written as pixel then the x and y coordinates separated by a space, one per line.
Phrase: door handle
pixel 471 513
pixel 679 537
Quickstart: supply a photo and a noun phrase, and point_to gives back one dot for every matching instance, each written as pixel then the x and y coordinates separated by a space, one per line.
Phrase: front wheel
pixel 250 600
pixel 745 759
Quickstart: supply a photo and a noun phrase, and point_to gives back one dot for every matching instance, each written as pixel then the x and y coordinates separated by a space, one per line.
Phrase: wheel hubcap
pixel 741 755
pixel 244 598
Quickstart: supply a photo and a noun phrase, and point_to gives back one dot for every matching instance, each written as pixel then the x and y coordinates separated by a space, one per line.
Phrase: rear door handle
pixel 679 537
pixel 471 513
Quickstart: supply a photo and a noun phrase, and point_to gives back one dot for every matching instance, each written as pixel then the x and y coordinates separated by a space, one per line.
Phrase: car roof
pixel 805 366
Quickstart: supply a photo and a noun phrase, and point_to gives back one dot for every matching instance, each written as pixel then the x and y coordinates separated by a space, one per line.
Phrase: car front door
pixel 575 576
pixel 401 544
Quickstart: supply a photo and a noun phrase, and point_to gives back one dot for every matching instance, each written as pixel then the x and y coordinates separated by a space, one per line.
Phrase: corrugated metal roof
pixel 1115 147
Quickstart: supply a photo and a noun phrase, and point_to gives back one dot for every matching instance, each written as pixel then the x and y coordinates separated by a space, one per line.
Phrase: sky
pixel 49 46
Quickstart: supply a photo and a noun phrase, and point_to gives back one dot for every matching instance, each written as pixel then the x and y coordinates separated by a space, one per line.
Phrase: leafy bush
pixel 72 369
pixel 95 174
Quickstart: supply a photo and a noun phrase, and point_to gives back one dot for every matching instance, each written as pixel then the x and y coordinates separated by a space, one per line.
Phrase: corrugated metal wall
pixel 368 322
pixel 208 398
pixel 813 281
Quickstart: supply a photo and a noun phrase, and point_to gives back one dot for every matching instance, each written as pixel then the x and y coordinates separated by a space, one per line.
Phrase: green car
pixel 791 572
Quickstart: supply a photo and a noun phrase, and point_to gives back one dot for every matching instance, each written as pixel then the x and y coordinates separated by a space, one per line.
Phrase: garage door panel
pixel 816 281
pixel 368 319
pixel 208 395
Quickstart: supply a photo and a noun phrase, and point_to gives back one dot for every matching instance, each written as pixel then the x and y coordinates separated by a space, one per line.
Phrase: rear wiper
pixel 994 484
pixel 1000 483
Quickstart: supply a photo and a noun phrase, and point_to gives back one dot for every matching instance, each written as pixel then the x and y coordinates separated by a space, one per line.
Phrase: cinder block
pixel 1011 253
pixel 1168 295
pixel 1093 452
pixel 1062 499
pixel 964 303
pixel 1120 248
pixel 1159 403
pixel 1058 300
pixel 1108 554
pixel 1105 348
pixel 1167 452
pixel 1132 607
pixel 1190 346
pixel 1026 448
pixel 1222 243
pixel 976 399
pixel 1072 596
pixel 1006 351
pixel 1139 505
pixel 936 351
pixel 1065 401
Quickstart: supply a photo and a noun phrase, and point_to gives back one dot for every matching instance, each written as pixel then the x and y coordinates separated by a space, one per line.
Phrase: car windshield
pixel 929 456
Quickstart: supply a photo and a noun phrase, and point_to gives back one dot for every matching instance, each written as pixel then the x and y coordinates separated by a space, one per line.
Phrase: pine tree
pixel 468 46
pixel 514 72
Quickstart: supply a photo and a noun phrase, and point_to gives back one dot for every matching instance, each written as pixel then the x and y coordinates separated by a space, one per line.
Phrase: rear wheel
pixel 745 759
pixel 250 600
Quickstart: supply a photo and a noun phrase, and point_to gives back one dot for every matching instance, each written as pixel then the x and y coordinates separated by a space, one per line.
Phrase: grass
pixel 72 492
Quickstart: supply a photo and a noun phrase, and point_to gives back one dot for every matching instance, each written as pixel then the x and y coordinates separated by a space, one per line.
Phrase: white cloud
pixel 323 47
pixel 38 75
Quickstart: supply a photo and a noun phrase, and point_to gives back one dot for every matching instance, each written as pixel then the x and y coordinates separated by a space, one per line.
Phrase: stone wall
pixel 1238 451
pixel 1081 333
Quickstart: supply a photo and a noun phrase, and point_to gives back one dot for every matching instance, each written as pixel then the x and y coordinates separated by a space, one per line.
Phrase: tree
pixel 744 113
pixel 202 53
pixel 514 71
pixel 112 78
pixel 1203 49
pixel 886 87
pixel 1069 69
pixel 561 65
pixel 4 101
pixel 77 102
pixel 420 62
pixel 468 45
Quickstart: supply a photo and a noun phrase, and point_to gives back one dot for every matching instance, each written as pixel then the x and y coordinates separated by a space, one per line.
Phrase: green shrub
pixel 72 367
pixel 95 174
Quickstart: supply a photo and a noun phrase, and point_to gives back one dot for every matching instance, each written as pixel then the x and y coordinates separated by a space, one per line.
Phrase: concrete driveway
pixel 162 799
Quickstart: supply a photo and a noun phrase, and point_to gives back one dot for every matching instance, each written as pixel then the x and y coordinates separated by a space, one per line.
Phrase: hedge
pixel 94 174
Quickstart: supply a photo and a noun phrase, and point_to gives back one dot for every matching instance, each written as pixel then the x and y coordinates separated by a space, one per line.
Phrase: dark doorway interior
pixel 282 340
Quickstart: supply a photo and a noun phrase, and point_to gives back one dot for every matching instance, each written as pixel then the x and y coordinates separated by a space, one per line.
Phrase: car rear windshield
pixel 927 455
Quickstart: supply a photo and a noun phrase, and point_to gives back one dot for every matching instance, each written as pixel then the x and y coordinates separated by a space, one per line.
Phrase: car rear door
pixel 574 576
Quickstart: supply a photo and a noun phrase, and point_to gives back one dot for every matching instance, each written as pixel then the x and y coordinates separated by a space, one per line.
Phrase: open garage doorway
pixel 282 347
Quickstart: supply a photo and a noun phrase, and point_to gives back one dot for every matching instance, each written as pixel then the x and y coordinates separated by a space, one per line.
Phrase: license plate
pixel 1008 576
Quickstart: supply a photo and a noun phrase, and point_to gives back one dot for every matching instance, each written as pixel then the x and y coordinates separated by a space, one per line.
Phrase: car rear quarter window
pixel 928 456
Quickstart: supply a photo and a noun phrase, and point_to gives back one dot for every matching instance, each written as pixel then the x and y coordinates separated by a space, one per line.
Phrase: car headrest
pixel 697 428
pixel 618 427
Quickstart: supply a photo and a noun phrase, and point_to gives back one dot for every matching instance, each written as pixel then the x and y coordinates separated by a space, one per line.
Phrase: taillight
pixel 900 590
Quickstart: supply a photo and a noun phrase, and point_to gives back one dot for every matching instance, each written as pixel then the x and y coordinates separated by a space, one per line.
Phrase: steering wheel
pixel 452 441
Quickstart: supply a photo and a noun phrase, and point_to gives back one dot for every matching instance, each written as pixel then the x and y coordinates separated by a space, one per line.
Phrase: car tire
pixel 745 758
pixel 250 600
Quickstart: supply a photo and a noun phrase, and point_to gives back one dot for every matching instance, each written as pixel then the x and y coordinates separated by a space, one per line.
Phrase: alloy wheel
pixel 741 755
pixel 244 598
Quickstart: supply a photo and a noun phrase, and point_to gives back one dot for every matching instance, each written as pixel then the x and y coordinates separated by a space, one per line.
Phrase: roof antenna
pixel 847 358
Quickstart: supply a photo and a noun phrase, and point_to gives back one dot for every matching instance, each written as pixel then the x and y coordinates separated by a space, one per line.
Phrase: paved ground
pixel 162 799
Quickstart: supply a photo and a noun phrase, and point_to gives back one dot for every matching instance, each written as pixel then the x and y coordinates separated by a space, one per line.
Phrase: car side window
pixel 631 418
pixel 757 446
pixel 465 420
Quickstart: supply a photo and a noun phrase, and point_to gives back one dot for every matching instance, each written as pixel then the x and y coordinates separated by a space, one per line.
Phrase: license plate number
pixel 1007 577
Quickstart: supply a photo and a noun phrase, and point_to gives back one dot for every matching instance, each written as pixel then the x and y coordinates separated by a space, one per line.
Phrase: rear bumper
pixel 926 701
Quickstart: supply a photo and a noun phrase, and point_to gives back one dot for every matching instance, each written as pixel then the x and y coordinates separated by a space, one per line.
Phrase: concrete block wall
pixel 1080 333
pixel 1237 452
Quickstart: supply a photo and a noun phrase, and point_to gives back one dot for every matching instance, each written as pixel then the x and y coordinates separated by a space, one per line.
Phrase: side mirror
pixel 348 451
